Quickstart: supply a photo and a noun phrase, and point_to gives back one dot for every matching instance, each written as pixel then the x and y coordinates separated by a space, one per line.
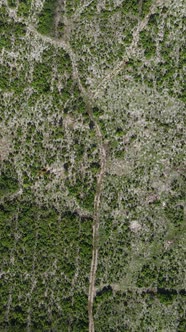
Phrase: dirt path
pixel 95 235
pixel 89 98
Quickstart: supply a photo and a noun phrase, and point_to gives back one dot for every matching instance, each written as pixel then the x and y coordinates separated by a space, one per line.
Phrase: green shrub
pixel 12 3
pixel 8 184
pixel 46 17
pixel 166 297
pixel 41 77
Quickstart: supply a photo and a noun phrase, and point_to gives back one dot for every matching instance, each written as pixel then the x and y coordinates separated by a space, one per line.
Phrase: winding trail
pixel 89 98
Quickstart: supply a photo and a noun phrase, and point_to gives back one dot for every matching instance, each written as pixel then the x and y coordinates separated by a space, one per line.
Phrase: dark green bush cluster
pixel 45 237
pixel 8 183
pixel 147 276
pixel 131 7
pixel 146 4
pixel 42 77
pixel 10 30
pixel 47 17
pixel 12 3
pixel 84 193
pixel 148 44
pixel 24 7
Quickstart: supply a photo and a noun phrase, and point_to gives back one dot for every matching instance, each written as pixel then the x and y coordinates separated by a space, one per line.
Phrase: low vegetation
pixel 92 131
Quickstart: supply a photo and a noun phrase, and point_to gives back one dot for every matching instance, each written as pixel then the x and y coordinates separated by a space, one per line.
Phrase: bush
pixel 46 17
pixel 8 185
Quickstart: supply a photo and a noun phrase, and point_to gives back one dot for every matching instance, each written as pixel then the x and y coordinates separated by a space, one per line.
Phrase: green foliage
pixel 147 276
pixel 47 17
pixel 24 7
pixel 43 71
pixel 8 185
pixel 97 111
pixel 130 8
pixel 41 77
pixel 103 294
pixel 5 42
pixel 52 140
pixel 4 80
pixel 166 297
pixel 71 6
pixel 182 325
pixel 153 22
pixel 12 3
pixel 148 44
pixel 84 193
pixel 146 4
pixel 8 29
pixel 175 211
pixel 63 61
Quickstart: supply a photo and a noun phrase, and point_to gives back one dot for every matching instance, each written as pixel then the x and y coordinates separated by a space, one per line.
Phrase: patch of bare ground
pixel 5 147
